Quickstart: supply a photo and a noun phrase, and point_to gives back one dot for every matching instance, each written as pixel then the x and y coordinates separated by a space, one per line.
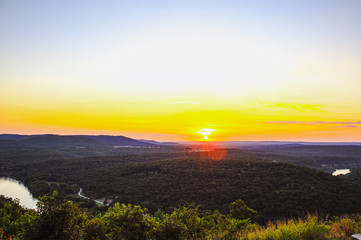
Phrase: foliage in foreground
pixel 60 219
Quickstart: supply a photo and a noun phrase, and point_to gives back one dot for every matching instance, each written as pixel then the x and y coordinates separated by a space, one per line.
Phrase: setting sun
pixel 205 132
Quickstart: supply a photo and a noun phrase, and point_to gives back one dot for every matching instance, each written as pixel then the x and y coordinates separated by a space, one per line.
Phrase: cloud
pixel 347 126
pixel 188 102
pixel 345 123
pixel 295 106
pixel 206 131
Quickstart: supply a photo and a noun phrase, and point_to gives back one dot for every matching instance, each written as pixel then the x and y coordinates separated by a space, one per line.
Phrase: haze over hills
pixel 326 157
pixel 261 144
pixel 44 139
pixel 60 146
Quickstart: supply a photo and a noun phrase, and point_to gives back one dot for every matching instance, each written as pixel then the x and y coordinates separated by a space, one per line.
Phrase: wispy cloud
pixel 188 102
pixel 347 126
pixel 346 123
pixel 301 107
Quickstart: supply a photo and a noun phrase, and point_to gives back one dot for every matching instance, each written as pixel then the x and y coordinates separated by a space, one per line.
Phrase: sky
pixel 182 70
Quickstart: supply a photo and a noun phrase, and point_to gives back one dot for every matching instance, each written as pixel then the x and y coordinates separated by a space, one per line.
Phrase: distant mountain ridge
pixel 15 136
pixel 267 144
pixel 47 140
pixel 61 141
pixel 111 140
pixel 120 140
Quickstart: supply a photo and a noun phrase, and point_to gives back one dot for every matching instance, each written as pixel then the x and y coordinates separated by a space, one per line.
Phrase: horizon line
pixel 190 141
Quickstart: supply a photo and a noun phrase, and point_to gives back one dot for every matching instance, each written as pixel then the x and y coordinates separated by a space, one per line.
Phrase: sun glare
pixel 205 132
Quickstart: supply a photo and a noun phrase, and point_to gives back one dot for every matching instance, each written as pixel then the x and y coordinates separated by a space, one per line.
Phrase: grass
pixel 305 229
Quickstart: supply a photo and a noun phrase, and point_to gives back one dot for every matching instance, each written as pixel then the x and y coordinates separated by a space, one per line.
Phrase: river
pixel 15 189
pixel 83 196
pixel 341 172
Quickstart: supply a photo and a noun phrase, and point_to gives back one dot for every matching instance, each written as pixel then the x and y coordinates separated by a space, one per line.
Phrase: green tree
pixel 183 223
pixel 94 229
pixel 55 219
pixel 128 222
pixel 239 210
pixel 224 226
pixel 10 216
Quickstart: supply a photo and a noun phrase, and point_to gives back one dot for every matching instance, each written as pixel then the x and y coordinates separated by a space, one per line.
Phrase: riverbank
pixel 17 190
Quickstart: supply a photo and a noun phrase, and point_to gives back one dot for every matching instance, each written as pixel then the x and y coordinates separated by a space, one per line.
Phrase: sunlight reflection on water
pixel 14 189
pixel 341 172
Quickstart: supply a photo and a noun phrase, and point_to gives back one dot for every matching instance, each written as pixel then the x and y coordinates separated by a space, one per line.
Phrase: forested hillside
pixel 325 158
pixel 165 178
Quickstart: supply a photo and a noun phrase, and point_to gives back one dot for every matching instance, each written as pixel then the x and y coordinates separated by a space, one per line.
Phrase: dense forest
pixel 324 158
pixel 167 177
pixel 274 182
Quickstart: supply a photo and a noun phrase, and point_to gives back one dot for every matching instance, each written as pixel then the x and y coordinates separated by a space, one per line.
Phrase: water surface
pixel 341 172
pixel 14 189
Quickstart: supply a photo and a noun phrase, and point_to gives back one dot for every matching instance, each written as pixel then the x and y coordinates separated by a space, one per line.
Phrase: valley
pixel 279 183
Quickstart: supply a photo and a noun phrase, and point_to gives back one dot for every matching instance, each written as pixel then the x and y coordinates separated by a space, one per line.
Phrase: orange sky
pixel 254 72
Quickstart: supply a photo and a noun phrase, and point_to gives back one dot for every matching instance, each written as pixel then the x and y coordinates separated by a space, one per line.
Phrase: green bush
pixel 94 229
pixel 183 223
pixel 60 219
pixel 239 210
pixel 310 229
pixel 128 222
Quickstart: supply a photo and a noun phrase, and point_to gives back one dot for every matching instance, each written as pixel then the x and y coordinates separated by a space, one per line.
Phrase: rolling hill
pixel 53 140
pixel 166 180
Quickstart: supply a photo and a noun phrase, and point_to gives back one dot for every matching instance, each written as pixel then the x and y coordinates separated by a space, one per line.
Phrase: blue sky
pixel 27 25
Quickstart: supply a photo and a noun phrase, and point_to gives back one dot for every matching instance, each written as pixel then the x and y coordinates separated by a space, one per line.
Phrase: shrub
pixel 344 227
pixel 310 229
pixel 128 222
pixel 239 210
pixel 94 229
pixel 183 223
